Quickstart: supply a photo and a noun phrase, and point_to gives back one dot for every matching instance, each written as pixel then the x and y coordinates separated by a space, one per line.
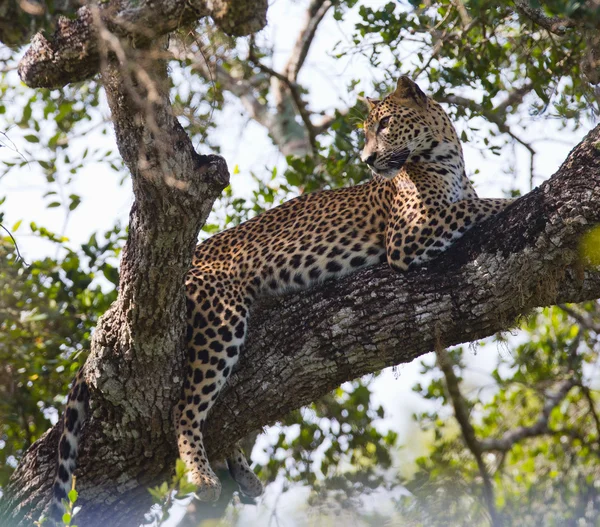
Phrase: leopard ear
pixel 373 103
pixel 407 92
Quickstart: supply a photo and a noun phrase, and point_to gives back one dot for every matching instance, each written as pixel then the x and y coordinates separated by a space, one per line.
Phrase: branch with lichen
pixel 71 54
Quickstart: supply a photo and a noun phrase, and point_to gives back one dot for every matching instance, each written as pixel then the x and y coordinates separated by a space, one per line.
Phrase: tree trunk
pixel 142 335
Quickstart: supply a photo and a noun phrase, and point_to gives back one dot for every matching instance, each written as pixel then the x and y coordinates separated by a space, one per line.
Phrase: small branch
pixel 324 124
pixel 296 96
pixel 244 89
pixel 584 320
pixel 554 24
pixel 592 406
pixel 241 88
pixel 19 257
pixel 497 116
pixel 440 40
pixel 314 15
pixel 461 413
pixel 539 428
pixel 576 435
pixel 462 11
pixel 514 98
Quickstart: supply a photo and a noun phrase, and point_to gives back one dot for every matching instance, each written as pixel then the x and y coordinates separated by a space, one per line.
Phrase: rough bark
pixel 73 53
pixel 301 345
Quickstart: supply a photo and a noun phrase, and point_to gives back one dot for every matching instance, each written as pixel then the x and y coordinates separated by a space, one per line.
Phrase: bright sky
pixel 247 145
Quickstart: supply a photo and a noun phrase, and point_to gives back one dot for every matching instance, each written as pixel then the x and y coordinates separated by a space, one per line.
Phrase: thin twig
pixel 19 257
pixel 592 407
pixel 211 79
pixel 447 36
pixel 497 116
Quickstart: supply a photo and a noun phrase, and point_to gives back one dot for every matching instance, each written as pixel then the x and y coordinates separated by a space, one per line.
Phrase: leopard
pixel 417 203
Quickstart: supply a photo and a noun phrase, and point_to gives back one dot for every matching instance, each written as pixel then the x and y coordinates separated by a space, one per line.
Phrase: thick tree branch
pixel 142 335
pixel 303 345
pixel 72 53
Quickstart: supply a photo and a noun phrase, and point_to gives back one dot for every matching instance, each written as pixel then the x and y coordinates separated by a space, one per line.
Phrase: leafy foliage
pixel 333 445
pixel 547 477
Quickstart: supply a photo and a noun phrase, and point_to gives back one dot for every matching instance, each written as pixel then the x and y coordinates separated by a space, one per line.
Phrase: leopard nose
pixel 370 160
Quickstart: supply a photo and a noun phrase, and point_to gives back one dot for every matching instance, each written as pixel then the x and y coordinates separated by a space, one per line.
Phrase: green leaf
pixel 72 495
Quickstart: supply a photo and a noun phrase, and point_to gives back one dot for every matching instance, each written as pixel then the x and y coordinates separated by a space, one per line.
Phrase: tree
pixel 533 263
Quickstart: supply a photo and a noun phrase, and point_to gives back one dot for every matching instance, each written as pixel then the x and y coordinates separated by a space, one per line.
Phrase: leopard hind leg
pixel 217 320
pixel 241 472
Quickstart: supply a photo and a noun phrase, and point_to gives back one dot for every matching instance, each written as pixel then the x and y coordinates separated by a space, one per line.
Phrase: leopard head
pixel 398 128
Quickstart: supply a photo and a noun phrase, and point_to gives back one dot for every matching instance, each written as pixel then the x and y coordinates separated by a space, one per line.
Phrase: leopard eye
pixel 383 124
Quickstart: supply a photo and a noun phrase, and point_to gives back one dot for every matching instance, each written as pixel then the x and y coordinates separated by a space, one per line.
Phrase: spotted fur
pixel 418 202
